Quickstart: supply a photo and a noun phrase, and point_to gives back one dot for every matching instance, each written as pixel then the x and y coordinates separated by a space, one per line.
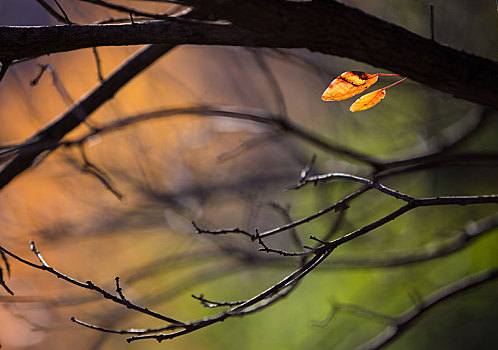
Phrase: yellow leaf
pixel 368 101
pixel 348 84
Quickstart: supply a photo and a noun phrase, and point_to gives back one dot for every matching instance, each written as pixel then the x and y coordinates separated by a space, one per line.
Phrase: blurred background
pixel 225 173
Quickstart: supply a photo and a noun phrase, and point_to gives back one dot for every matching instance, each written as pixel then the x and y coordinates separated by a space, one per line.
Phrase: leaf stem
pixel 386 75
pixel 396 83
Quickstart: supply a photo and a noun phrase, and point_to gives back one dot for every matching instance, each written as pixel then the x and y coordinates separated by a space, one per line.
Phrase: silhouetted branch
pixel 61 18
pixel 214 304
pixel 355 310
pixel 3 284
pixel 50 135
pixel 4 65
pixel 373 184
pixel 98 63
pixel 221 232
pixel 87 285
pixel 130 10
pixel 283 24
pixel 254 115
pixel 123 331
pixel 339 206
pixel 90 168
pixel 284 212
pixel 472 232
pixel 406 320
pixel 272 81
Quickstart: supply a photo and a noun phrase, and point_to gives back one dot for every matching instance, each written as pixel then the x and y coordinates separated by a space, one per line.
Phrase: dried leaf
pixel 368 101
pixel 348 84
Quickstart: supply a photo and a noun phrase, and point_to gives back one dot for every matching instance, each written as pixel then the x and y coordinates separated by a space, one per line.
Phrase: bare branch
pixel 4 65
pixel 123 331
pixel 406 320
pixel 88 285
pixel 471 233
pixel 98 63
pixel 214 304
pixel 270 77
pixel 3 284
pixel 199 230
pixel 284 24
pixel 420 202
pixel 372 184
pixel 340 205
pixel 130 10
pixel 61 18
pixel 90 168
pixel 50 135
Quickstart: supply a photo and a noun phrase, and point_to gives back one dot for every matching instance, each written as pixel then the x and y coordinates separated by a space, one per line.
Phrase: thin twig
pixel 87 285
pixel 56 130
pixel 340 205
pixel 373 184
pixel 272 81
pixel 254 115
pixel 66 18
pixel 6 262
pixel 91 169
pixel 43 69
pixel 215 304
pixel 356 310
pixel 284 212
pixel 61 18
pixel 98 63
pixel 431 15
pixel 130 10
pixel 119 290
pixel 123 331
pixel 3 284
pixel 199 230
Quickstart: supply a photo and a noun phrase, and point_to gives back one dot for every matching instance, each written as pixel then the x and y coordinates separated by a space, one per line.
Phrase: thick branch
pixel 277 23
pixel 51 134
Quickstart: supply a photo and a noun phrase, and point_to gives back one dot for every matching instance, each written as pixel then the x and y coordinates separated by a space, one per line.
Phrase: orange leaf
pixel 368 101
pixel 348 84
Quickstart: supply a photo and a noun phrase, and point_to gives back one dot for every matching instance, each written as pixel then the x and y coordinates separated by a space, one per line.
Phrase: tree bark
pixel 322 26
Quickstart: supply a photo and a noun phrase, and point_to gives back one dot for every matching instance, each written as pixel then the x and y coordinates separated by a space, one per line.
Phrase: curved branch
pixel 403 322
pixel 49 137
pixel 284 24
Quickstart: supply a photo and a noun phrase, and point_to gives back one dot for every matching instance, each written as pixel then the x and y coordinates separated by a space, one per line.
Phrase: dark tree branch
pixel 285 24
pixel 98 63
pixel 91 169
pixel 213 304
pixel 3 284
pixel 468 235
pixel 406 320
pixel 420 202
pixel 4 65
pixel 373 184
pixel 270 295
pixel 199 230
pixel 88 285
pixel 258 116
pixel 61 18
pixel 363 37
pixel 50 135
pixel 129 10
